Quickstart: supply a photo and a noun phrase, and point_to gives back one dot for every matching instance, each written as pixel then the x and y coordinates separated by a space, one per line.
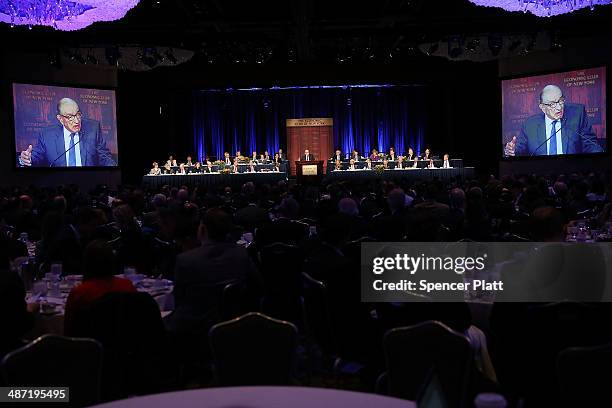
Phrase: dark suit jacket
pixel 576 133
pixel 50 146
pixel 200 275
pixel 311 157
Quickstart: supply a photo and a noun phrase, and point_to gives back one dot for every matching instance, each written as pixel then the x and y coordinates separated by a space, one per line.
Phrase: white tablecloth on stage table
pixel 261 397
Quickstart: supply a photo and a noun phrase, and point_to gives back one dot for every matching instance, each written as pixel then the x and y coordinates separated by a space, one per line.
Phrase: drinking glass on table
pixel 39 292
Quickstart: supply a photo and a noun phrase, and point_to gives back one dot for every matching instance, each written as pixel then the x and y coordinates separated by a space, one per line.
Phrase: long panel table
pixel 396 174
pixel 212 179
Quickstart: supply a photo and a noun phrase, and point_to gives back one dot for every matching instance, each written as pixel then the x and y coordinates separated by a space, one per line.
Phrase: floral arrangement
pixel 242 159
pixel 219 163
pixel 379 169
pixel 226 170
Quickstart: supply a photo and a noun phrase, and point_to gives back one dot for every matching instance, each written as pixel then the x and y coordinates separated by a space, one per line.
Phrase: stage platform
pixel 396 174
pixel 237 180
pixel 212 179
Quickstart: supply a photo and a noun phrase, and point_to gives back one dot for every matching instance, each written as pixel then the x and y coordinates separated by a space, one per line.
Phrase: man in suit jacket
pixel 200 273
pixel 308 156
pixel 337 156
pixel 74 142
pixel 281 155
pixel 561 128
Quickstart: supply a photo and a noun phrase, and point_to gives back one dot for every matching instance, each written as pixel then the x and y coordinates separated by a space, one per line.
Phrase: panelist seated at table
pixel 337 156
pixel 392 156
pixel 181 169
pixel 368 164
pixel 307 156
pixel 188 162
pixel 410 156
pixel 209 167
pixel 254 157
pixel 167 169
pixel 400 165
pixel 196 168
pixel 227 159
pixel 355 155
pixel 281 155
pixel 446 164
pixel 277 159
pixel 415 162
pixel 427 155
pixel 375 156
pixel 155 170
pixel 171 161
pixel 352 165
pixel 338 165
pixel 431 165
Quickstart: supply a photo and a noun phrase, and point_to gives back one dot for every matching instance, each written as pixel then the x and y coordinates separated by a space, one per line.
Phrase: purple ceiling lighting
pixel 542 8
pixel 63 14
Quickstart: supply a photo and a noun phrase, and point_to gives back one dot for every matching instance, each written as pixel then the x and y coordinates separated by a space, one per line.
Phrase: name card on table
pixel 309 170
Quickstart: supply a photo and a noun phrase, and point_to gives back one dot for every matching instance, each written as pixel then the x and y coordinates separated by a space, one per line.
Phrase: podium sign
pixel 309 170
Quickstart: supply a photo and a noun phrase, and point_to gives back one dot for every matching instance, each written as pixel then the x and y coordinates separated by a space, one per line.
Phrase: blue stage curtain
pixel 254 120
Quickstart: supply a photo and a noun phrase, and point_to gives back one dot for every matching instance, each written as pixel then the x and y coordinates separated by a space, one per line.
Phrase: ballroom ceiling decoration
pixel 63 15
pixel 542 8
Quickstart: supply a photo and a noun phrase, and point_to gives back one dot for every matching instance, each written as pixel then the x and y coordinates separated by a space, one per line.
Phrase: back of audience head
pixel 215 225
pixel 547 225
pixel 98 260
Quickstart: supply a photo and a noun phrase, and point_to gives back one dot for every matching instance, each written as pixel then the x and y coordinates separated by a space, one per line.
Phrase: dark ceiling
pixel 281 31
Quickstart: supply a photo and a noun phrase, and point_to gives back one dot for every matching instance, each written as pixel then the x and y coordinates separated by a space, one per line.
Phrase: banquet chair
pixel 411 352
pixel 253 349
pixel 581 374
pixel 550 329
pixel 56 361
pixel 137 352
pixel 280 267
pixel 236 300
pixel 317 316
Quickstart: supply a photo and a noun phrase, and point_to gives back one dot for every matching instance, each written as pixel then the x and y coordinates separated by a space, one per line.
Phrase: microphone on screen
pixel 66 151
pixel 561 125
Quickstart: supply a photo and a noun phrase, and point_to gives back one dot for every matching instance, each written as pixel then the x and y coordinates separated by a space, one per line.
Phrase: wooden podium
pixel 311 170
pixel 314 134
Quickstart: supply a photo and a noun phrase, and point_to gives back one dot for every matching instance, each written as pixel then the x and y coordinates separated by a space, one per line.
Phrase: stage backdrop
pixel 365 117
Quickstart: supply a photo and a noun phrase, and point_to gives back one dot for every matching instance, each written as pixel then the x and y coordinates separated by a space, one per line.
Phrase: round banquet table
pixel 260 397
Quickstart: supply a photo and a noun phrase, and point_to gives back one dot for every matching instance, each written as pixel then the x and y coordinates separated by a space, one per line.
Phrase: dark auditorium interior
pixel 402 203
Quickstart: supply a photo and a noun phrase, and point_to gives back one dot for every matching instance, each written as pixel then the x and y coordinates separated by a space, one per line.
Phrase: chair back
pixel 130 328
pixel 317 314
pixel 581 374
pixel 253 349
pixel 280 267
pixel 56 361
pixel 412 352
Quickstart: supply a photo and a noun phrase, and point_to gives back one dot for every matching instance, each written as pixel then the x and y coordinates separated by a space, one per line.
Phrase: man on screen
pixel 74 142
pixel 561 128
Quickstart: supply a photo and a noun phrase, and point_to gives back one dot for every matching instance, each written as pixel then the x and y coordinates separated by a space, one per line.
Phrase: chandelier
pixel 542 8
pixel 63 15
